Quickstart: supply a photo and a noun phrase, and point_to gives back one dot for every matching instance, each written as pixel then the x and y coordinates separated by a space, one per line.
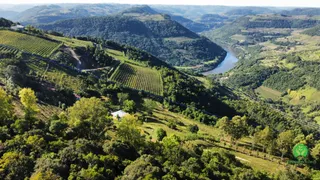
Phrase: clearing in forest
pixel 268 93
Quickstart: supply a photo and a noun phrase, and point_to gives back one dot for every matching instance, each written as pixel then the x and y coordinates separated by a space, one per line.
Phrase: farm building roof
pixel 119 113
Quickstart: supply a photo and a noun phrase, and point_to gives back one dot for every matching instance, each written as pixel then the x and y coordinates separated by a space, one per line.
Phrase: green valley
pixel 114 91
pixel 148 30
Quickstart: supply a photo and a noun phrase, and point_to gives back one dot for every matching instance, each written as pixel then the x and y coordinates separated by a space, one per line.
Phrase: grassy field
pixel 118 55
pixel 303 95
pixel 138 77
pixel 72 42
pixel 268 93
pixel 21 41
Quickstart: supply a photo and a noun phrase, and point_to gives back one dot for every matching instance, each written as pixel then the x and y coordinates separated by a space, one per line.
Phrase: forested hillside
pixel 51 13
pixel 248 11
pixel 99 97
pixel 302 11
pixel 154 33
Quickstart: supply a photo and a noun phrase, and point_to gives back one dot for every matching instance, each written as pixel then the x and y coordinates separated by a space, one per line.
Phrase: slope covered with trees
pixel 5 23
pixel 154 33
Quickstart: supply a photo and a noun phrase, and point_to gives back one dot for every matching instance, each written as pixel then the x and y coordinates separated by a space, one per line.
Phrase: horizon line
pixel 48 3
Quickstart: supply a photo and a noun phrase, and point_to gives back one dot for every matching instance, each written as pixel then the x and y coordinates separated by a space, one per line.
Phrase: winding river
pixel 228 63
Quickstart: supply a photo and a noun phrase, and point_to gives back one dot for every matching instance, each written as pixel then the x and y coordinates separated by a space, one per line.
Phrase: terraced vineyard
pixel 4 49
pixel 138 77
pixel 28 43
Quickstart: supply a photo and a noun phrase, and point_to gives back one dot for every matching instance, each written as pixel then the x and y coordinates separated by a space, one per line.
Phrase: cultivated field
pixel 268 93
pixel 72 42
pixel 6 52
pixel 4 49
pixel 138 77
pixel 28 43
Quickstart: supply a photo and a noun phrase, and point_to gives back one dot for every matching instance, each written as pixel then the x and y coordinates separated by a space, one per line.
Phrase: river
pixel 227 64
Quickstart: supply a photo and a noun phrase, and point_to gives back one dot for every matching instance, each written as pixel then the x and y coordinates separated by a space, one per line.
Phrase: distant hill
pixel 192 25
pixel 303 11
pixel 248 11
pixel 204 23
pixel 5 23
pixel 154 33
pixel 52 13
pixel 140 10
pixel 8 14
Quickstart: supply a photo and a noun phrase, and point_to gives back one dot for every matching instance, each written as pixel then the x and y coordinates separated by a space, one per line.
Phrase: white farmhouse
pixel 119 114
pixel 17 27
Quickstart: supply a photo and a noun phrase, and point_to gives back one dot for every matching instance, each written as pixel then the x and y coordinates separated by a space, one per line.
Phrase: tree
pixel 149 105
pixel 122 97
pixel 14 165
pixel 315 152
pixel 142 168
pixel 37 143
pixel 29 101
pixel 264 137
pixel 222 124
pixel 285 142
pixel 239 128
pixel 57 127
pixel 89 118
pixel 129 106
pixel 6 108
pixel 90 173
pixel 193 128
pixel 236 128
pixel 128 131
pixel 13 77
pixel 171 149
pixel 300 138
pixel 46 175
pixel 161 134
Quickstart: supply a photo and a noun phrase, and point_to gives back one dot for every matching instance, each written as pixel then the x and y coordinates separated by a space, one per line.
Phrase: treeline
pixel 282 81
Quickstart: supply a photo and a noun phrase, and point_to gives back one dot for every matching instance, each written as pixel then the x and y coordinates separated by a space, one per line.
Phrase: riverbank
pixel 227 64
pixel 205 66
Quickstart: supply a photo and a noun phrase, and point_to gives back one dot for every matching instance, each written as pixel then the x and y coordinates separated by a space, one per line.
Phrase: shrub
pixel 161 134
pixel 193 128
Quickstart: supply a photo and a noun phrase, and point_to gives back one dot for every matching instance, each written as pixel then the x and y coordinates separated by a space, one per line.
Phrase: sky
pixel 283 3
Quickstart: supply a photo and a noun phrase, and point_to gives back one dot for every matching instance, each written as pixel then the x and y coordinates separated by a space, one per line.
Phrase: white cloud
pixel 295 3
